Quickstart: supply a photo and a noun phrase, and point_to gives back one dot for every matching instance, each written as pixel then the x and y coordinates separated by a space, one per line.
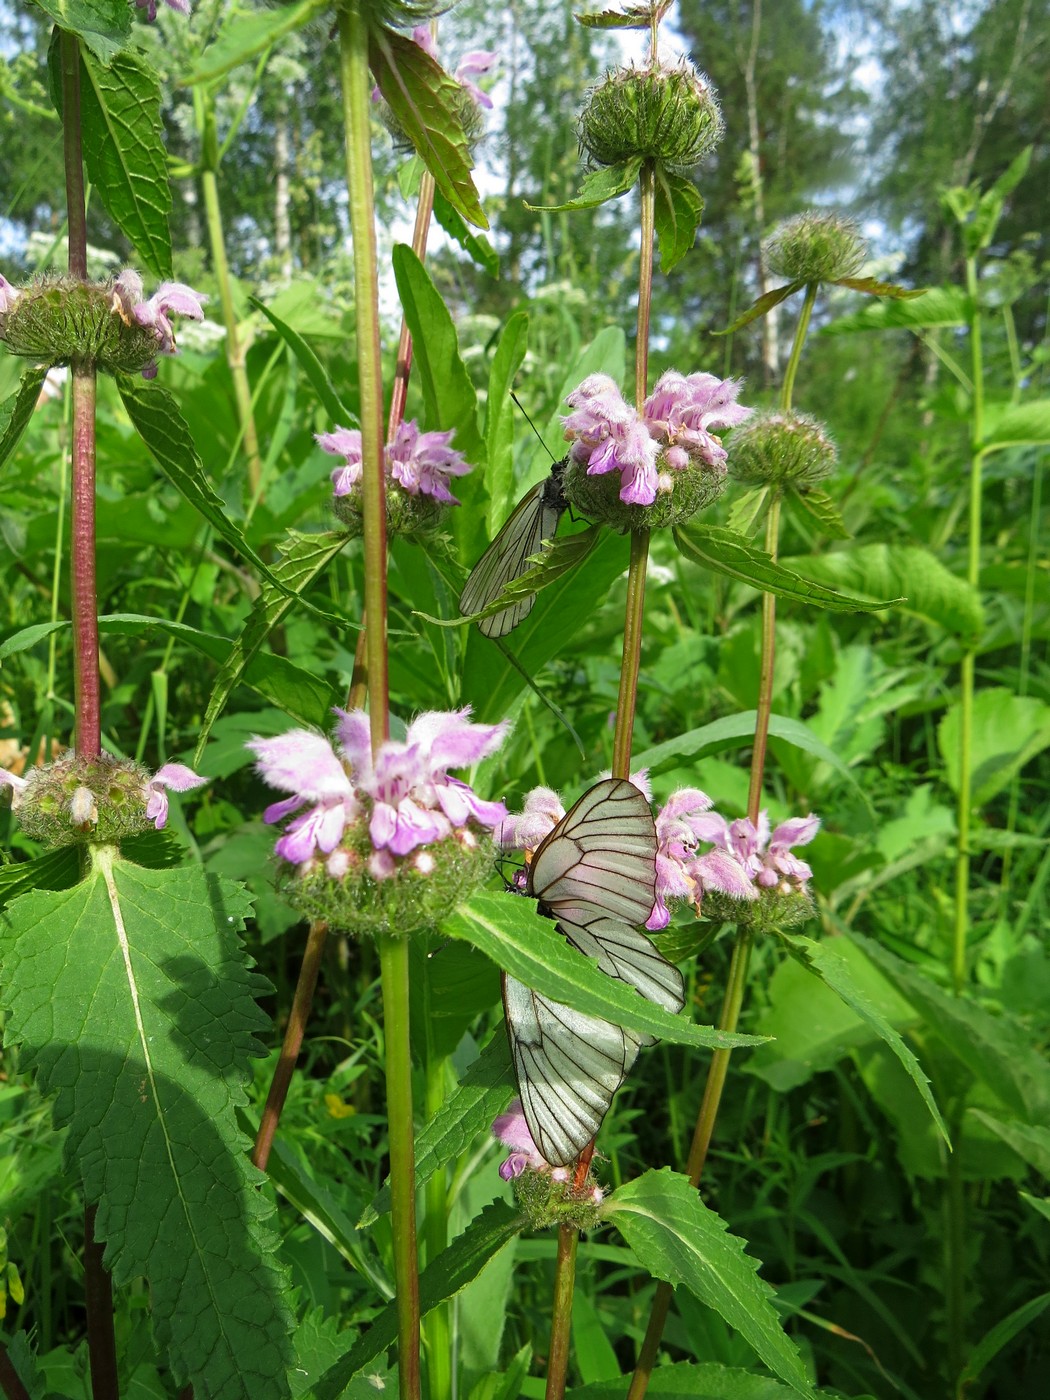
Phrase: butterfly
pixel 595 874
pixel 533 520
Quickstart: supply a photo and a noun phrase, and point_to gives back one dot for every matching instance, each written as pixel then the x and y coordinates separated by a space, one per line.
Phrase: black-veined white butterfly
pixel 533 520
pixel 595 873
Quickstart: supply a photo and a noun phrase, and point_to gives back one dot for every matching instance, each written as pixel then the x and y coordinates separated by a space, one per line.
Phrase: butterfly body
pixel 532 521
pixel 595 875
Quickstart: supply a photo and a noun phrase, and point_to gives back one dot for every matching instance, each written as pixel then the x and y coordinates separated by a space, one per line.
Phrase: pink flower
pixel 475 64
pixel 683 408
pixel 8 295
pixel 420 463
pixel 685 821
pixel 541 814
pixel 175 776
pixel 511 1129
pixel 408 795
pixel 610 436
pixel 170 299
pixel 150 6
pixel 344 442
pixel 767 859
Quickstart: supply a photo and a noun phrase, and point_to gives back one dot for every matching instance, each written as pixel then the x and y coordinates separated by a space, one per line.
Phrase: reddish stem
pixel 10 1380
pixel 98 1292
pixel 86 685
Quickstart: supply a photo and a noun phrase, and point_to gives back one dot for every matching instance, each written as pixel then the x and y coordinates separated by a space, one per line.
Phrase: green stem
pixel 765 686
pixel 973 577
pixel 86 685
pixel 435 1229
pixel 393 962
pixel 76 204
pixel 632 655
pixel 788 386
pixel 561 1320
pixel 955 1259
pixel 647 230
pixel 356 89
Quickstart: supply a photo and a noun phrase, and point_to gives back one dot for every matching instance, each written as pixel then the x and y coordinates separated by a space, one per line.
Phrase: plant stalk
pixel 98 1297
pixel 393 961
pixel 293 1040
pixel 561 1319
pixel 10 1380
pixel 437 1327
pixel 787 389
pixel 86 682
pixel 76 204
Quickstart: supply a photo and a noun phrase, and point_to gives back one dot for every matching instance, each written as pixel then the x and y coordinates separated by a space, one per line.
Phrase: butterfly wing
pixel 533 520
pixel 568 1067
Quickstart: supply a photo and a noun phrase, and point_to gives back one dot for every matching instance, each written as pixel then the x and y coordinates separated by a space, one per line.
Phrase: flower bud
pixel 549 1200
pixel 85 800
pixel 598 498
pixel 815 248
pixel 60 320
pixel 780 446
pixel 668 115
pixel 778 909
pixel 416 517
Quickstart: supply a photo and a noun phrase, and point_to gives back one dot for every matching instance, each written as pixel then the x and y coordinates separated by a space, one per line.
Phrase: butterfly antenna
pixel 533 426
pixel 558 714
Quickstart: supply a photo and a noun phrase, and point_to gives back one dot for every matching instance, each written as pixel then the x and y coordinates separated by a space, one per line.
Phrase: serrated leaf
pixel 705 1380
pixel 825 962
pixel 1030 1142
pixel 54 870
pixel 731 554
pixel 940 306
pixel 630 17
pixel 508 930
pixel 124 152
pixel 311 366
pixel 499 418
pixel 1019 424
pixel 131 999
pixel 747 509
pixel 678 211
pixel 246 33
pixel 819 506
pixel 304 558
pixel 872 287
pixel 765 303
pixel 877 570
pixel 995 1049
pixel 599 186
pixel 450 1272
pixel 481 1095
pixel 1007 732
pixel 424 99
pixel 678 1239
pixel 104 25
pixel 17 409
pixel 1004 1331
pixel 157 419
pixel 475 245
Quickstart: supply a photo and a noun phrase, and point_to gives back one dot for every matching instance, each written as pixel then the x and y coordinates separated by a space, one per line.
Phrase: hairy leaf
pixel 103 25
pixel 17 409
pixel 678 1239
pixel 679 209
pixel 125 154
pixel 819 506
pixel 528 947
pixel 131 999
pixel 871 286
pixel 599 186
pixel 247 33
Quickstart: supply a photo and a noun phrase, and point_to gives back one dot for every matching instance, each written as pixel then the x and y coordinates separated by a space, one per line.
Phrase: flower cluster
pixel 657 451
pixel 475 64
pixel 362 821
pixel 170 299
pixel 418 467
pixel 547 1194
pixel 99 800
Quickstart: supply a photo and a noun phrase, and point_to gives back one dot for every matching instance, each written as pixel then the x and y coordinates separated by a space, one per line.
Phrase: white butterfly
pixel 596 875
pixel 533 520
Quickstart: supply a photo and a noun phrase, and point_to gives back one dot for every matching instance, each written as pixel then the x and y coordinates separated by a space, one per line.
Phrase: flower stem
pixel 356 89
pixel 788 386
pixel 204 110
pixel 632 655
pixel 98 1295
pixel 420 234
pixel 76 209
pixel 393 961
pixel 435 1228
pixel 765 685
pixel 647 192
pixel 561 1320
pixel 86 685
pixel 293 1040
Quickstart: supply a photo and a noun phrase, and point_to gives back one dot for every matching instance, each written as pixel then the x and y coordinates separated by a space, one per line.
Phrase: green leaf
pixel 156 417
pixel 877 570
pixel 509 931
pixel 1032 1143
pixel 940 306
pixel 631 17
pixel 819 506
pixel 764 304
pixel 124 152
pixel 246 33
pixel 54 870
pixel 499 419
pixel 1016 425
pixel 475 245
pixel 728 553
pixel 678 1239
pixel 599 186
pixel 979 232
pixel 1004 1331
pixel 721 734
pixel 871 286
pixel 824 960
pixel 705 1380
pixel 131 999
pixel 1040 1204
pixel 481 1095
pixel 424 100
pixel 595 1358
pixel 996 1049
pixel 304 558
pixel 104 25
pixel 747 510
pixel 560 557
pixel 678 211
pixel 1008 731
pixel 311 366
pixel 17 409
pixel 450 1272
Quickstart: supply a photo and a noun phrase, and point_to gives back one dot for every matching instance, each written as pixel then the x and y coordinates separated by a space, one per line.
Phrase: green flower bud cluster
pixel 62 321
pixel 548 1202
pixel 775 910
pixel 680 494
pixel 84 801
pixel 815 248
pixel 667 115
pixel 422 889
pixel 782 447
pixel 417 517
